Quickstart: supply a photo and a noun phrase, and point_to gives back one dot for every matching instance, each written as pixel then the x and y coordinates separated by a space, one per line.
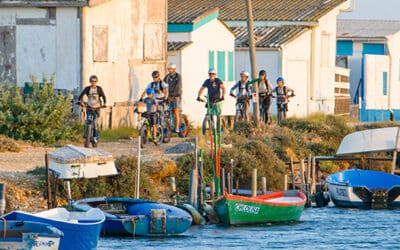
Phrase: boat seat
pixel 112 208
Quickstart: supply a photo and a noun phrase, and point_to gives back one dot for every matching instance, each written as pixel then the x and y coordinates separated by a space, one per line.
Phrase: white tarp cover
pixel 372 140
pixel 71 162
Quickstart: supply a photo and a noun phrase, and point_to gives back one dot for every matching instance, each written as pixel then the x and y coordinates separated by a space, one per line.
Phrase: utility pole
pixel 252 50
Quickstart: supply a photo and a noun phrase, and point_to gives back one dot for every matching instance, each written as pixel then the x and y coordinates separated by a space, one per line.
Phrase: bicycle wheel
pixel 88 134
pixel 167 131
pixel 206 126
pixel 143 133
pixel 184 126
pixel 159 134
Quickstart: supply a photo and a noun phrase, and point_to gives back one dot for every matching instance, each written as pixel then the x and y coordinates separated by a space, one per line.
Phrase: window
pixel 342 61
pixel 221 72
pixel 100 43
pixel 230 66
pixel 373 49
pixel 211 59
pixel 344 48
pixel 384 80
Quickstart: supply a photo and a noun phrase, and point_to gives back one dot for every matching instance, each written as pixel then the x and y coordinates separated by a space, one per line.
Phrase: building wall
pixel 194 65
pixel 394 71
pixel 46 44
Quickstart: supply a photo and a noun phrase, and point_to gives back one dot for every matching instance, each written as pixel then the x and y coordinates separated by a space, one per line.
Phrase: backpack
pixel 284 91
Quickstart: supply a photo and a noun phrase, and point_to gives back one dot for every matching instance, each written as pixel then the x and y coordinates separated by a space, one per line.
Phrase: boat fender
pixel 197 217
pixel 210 213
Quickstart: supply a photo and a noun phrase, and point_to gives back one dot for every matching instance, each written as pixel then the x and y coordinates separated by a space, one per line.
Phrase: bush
pixel 8 144
pixel 44 116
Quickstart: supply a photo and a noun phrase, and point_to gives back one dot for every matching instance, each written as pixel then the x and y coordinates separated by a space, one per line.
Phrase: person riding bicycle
pixel 216 92
pixel 174 81
pixel 243 93
pixel 95 99
pixel 265 95
pixel 160 91
pixel 282 95
pixel 151 110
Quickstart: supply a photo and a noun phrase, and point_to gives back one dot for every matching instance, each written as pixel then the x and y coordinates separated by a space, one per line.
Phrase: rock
pixel 181 148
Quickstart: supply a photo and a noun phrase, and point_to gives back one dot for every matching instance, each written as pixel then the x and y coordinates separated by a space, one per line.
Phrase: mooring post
pixel 237 186
pixel 309 162
pixel 313 175
pixel 264 184
pixel 48 181
pixel 54 181
pixel 201 177
pixel 231 170
pixel 254 183
pixel 2 198
pixel 213 191
pixel 222 181
pixel 302 174
pixel 292 173
pixel 173 190
pixel 137 192
pixel 285 182
pixel 228 180
pixel 394 161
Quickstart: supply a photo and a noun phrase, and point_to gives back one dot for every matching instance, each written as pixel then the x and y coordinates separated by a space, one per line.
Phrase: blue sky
pixel 374 10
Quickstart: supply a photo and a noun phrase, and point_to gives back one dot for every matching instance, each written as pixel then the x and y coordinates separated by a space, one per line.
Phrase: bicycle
pixel 263 111
pixel 282 105
pixel 240 109
pixel 206 126
pixel 146 130
pixel 90 124
pixel 184 122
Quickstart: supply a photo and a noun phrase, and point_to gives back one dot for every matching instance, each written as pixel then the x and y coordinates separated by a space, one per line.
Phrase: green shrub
pixel 108 135
pixel 44 116
pixel 8 144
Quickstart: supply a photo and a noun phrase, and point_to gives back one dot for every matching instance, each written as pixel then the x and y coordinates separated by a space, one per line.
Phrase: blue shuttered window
pixel 230 66
pixel 221 65
pixel 211 59
pixel 344 48
pixel 384 81
pixel 373 49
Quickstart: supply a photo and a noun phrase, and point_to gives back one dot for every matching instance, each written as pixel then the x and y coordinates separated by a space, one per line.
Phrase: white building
pixel 292 40
pixel 370 49
pixel 195 44
pixel 121 41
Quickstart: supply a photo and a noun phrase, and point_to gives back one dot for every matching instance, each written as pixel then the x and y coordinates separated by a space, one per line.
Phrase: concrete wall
pixel 192 63
pixel 45 44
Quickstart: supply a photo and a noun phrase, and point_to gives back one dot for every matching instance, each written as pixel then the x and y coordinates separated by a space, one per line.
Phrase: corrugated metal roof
pixel 175 46
pixel 366 28
pixel 183 11
pixel 43 3
pixel 267 37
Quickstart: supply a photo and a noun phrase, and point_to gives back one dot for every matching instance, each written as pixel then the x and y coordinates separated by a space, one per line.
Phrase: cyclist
pixel 216 92
pixel 243 93
pixel 265 94
pixel 151 110
pixel 282 95
pixel 95 99
pixel 174 81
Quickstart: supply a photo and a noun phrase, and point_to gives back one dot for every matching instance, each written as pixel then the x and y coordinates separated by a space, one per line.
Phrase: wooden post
pixel 309 162
pixel 302 175
pixel 253 63
pixel 394 161
pixel 228 177
pixel 48 181
pixel 264 184
pixel 213 191
pixel 2 199
pixel 237 186
pixel 137 192
pixel 292 173
pixel 201 178
pixel 222 181
pixel 285 182
pixel 231 170
pixel 194 179
pixel 313 176
pixel 173 189
pixel 54 188
pixel 254 183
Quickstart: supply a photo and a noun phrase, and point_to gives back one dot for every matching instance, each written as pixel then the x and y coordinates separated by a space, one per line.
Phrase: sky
pixel 374 10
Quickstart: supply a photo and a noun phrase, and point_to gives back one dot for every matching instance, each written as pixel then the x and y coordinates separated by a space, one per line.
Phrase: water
pixel 326 228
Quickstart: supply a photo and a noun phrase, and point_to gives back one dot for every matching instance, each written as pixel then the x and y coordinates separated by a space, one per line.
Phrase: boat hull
pixel 128 216
pixel 80 231
pixel 365 189
pixel 240 210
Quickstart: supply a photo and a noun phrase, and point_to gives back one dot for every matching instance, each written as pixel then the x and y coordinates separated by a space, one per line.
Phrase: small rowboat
pixel 81 229
pixel 278 207
pixel 28 235
pixel 129 216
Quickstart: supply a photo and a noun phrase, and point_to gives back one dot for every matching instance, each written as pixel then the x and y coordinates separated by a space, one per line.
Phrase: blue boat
pixel 28 235
pixel 81 229
pixel 128 216
pixel 364 189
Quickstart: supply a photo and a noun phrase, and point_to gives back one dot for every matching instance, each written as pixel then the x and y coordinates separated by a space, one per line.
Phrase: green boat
pixel 278 207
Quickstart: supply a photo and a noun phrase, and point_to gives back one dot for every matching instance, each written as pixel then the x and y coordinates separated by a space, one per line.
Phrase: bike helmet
pixel 280 79
pixel 150 91
pixel 155 73
pixel 245 73
pixel 212 71
pixel 262 72
pixel 171 66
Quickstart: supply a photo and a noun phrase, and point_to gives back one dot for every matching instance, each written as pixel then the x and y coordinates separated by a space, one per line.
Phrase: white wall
pixel 194 65
pixel 375 65
pixel 394 71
